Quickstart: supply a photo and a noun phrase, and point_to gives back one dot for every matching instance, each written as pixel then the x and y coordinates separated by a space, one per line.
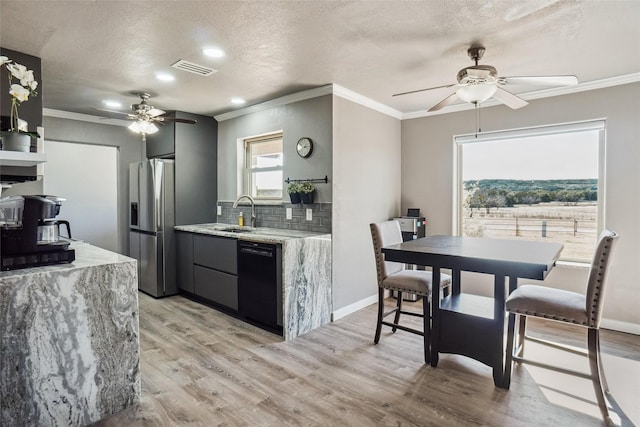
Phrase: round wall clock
pixel 304 147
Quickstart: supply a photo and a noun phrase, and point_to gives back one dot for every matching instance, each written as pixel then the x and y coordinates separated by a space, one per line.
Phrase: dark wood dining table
pixel 467 324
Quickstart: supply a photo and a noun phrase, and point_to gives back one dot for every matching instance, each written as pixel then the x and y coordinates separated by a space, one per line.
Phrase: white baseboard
pixel 352 308
pixel 614 325
pixel 617 325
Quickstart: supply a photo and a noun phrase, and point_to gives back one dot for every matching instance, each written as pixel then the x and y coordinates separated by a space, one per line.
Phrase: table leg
pixel 435 315
pixel 506 381
pixel 498 317
pixel 455 282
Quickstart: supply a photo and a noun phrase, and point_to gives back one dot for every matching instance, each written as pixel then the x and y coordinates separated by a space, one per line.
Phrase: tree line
pixel 497 193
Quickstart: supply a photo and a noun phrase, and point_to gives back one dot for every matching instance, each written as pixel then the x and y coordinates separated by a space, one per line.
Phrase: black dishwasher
pixel 258 284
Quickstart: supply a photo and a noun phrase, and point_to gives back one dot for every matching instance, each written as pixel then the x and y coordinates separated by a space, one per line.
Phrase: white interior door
pixel 86 176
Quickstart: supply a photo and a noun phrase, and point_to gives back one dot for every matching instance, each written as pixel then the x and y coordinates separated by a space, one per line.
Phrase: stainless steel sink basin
pixel 237 230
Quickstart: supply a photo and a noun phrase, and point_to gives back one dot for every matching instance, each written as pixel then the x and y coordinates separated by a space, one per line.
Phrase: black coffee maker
pixel 22 222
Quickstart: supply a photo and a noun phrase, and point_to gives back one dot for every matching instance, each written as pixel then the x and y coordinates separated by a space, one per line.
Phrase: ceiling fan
pixel 146 116
pixel 478 83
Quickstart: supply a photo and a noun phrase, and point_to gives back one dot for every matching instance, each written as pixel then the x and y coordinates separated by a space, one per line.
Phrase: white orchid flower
pixel 33 85
pixel 17 70
pixel 19 93
pixel 27 78
pixel 4 60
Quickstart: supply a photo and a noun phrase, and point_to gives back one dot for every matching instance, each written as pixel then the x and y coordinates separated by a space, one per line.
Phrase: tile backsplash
pixel 274 216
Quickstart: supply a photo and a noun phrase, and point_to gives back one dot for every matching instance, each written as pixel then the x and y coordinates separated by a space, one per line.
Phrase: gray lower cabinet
pixel 215 269
pixel 216 286
pixel 184 258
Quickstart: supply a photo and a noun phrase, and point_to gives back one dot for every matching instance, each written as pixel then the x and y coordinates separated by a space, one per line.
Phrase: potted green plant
pixel 17 137
pixel 294 192
pixel 306 192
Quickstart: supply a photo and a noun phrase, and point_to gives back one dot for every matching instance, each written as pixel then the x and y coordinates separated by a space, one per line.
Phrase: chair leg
pixel 522 330
pixel 509 359
pixel 426 322
pixel 380 313
pixel 396 318
pixel 597 373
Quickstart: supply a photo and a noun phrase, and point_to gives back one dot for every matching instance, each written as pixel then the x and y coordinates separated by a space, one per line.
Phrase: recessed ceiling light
pixel 165 77
pixel 237 101
pixel 213 52
pixel 112 104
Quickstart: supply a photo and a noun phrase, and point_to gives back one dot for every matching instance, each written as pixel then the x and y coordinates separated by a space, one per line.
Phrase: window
pixel 263 167
pixel 543 183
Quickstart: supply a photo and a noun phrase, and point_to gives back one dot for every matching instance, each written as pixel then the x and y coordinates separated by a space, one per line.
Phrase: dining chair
pixel 395 276
pixel 568 307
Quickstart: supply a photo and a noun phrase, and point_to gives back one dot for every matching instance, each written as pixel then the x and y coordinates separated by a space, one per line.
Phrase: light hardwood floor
pixel 201 367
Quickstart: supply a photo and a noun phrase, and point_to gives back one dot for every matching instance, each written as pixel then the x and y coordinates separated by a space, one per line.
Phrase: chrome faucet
pixel 253 207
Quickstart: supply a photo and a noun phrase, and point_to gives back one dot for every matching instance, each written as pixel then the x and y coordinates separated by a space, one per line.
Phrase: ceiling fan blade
pixel 174 119
pixel 540 80
pixel 156 112
pixel 509 99
pixel 423 90
pixel 448 100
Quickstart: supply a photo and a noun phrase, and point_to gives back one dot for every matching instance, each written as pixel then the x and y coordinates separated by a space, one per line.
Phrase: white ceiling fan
pixel 478 83
pixel 146 116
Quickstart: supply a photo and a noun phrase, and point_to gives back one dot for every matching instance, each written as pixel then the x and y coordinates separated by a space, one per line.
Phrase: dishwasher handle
pixel 257 250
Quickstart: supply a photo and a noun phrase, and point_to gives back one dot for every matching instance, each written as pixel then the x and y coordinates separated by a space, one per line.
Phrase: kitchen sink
pixel 237 230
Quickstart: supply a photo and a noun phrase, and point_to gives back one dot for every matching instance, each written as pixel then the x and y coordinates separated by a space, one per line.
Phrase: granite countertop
pixel 86 256
pixel 254 234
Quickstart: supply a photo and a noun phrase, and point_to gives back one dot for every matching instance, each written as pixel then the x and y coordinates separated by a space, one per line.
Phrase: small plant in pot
pixel 294 192
pixel 306 192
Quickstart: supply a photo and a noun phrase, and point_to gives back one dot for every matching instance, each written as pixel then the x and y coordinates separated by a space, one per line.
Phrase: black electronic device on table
pixel 29 233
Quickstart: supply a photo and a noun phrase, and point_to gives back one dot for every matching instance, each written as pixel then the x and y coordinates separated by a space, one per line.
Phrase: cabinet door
pixel 216 286
pixel 184 255
pixel 219 253
pixel 162 143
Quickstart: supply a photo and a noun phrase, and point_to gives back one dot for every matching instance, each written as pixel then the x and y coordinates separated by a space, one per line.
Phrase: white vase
pixel 16 142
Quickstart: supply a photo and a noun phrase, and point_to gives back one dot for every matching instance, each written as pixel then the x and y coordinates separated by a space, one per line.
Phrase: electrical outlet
pixel 288 213
pixel 219 211
pixel 309 214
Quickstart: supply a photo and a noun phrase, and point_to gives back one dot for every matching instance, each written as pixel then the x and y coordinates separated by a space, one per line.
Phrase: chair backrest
pixel 597 277
pixel 384 234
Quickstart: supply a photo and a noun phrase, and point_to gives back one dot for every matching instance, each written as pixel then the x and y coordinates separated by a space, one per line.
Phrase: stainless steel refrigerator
pixel 151 222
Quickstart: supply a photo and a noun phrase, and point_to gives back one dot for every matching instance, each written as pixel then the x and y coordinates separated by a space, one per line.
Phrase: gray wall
pixel 366 188
pixel 130 149
pixel 310 118
pixel 427 178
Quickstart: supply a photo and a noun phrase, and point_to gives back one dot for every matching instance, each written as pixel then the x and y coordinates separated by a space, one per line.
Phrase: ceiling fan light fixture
pixel 476 93
pixel 143 127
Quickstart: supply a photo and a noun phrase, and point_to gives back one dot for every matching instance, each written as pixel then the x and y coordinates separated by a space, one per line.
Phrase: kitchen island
pixel 305 276
pixel 69 350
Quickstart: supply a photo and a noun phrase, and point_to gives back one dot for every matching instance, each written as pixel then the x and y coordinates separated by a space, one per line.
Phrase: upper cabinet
pixel 195 150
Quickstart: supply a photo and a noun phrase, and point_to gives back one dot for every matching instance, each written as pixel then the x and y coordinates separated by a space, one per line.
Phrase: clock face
pixel 304 147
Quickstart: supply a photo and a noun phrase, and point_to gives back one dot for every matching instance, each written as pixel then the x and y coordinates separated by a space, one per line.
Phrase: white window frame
pixel 249 171
pixel 582 126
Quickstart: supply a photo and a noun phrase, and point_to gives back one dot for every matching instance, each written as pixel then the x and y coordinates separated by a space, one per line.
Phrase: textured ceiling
pixel 94 50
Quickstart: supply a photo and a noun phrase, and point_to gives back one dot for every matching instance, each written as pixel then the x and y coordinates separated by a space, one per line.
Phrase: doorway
pixel 86 175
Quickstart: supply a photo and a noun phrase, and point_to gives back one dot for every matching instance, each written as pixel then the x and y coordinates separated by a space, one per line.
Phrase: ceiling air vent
pixel 190 67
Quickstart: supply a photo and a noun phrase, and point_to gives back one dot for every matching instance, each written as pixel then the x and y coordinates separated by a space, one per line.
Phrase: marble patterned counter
pixel 306 271
pixel 69 350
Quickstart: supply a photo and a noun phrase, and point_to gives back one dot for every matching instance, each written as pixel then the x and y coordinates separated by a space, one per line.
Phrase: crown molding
pixel 366 102
pixel 314 93
pixel 283 100
pixel 59 114
pixel 546 93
